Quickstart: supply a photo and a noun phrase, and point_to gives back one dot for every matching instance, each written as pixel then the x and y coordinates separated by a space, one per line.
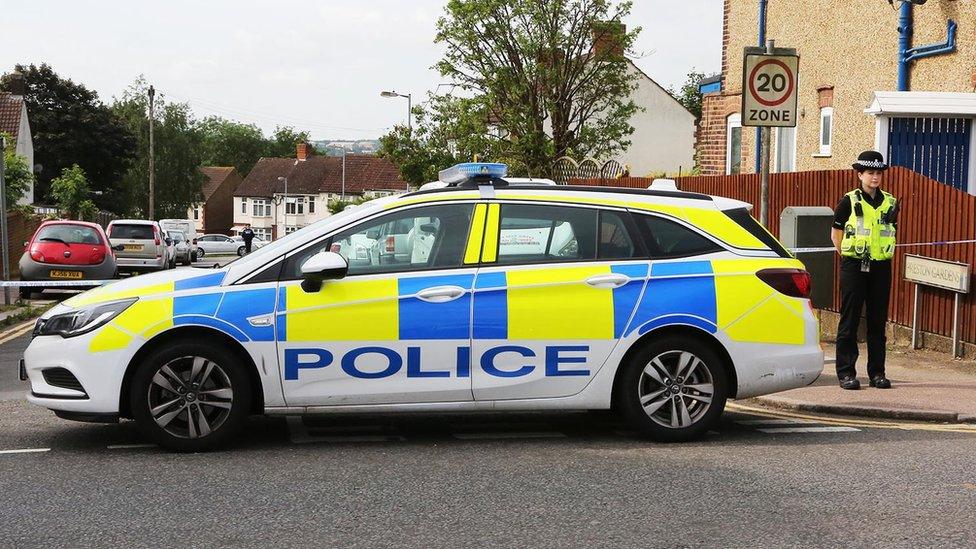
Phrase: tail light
pixel 391 244
pixel 194 242
pixel 96 256
pixel 156 236
pixel 791 282
pixel 36 255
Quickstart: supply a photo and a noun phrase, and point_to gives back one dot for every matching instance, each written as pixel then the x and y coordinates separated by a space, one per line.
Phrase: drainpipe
pixel 907 54
pixel 762 44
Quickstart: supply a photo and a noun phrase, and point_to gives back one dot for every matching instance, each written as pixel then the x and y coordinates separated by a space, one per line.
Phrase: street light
pixel 278 200
pixel 409 106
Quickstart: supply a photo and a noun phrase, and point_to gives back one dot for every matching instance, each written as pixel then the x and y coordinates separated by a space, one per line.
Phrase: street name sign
pixel 769 87
pixel 947 275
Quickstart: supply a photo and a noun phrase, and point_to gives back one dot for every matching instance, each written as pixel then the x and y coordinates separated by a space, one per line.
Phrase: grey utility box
pixel 809 227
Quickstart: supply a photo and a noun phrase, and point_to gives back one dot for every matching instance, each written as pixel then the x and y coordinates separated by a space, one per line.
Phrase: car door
pixel 555 291
pixel 396 331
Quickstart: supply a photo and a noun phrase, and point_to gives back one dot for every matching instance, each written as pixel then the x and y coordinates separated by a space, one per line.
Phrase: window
pixel 428 237
pixel 290 229
pixel 667 239
pixel 785 150
pixel 733 144
pixel 295 205
pixel 243 205
pixel 616 240
pixel 311 204
pixel 826 128
pixel 196 212
pixel 263 234
pixel 533 234
pixel 261 207
pixel 69 234
pixel 134 232
pixel 743 219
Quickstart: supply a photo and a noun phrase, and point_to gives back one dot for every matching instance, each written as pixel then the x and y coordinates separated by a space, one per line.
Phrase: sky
pixel 317 65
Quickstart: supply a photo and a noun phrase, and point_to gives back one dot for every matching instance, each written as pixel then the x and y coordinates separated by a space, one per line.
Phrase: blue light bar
pixel 455 175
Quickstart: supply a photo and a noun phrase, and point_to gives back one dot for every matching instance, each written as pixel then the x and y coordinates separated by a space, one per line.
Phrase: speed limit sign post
pixel 769 84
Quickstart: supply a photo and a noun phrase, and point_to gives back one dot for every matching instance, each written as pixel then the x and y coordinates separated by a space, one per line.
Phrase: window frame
pixel 828 114
pixel 732 122
pixel 244 206
pixel 719 246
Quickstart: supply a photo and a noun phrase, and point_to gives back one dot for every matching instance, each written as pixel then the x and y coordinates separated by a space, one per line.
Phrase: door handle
pixel 613 280
pixel 440 294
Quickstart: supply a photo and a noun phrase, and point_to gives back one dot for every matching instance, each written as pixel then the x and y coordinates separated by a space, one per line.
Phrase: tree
pixel 71 191
pixel 230 143
pixel 18 175
pixel 688 95
pixel 535 67
pixel 72 126
pixel 178 154
pixel 282 144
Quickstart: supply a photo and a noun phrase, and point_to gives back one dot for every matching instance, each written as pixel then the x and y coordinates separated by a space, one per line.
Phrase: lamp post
pixel 409 106
pixel 278 200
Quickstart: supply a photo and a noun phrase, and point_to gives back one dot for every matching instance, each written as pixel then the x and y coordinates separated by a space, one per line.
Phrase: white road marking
pixel 25 451
pixel 129 446
pixel 818 429
pixel 502 435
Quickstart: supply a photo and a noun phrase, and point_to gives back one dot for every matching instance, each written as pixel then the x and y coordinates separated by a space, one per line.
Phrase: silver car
pixel 215 244
pixel 181 248
pixel 144 246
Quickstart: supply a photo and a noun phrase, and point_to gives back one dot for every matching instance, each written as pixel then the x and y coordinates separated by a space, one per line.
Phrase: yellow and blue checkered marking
pixel 677 293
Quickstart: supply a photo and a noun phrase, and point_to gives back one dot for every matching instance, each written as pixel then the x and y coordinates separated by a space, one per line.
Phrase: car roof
pixel 133 222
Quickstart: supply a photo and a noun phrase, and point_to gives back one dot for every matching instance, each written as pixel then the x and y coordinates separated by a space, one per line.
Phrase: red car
pixel 67 250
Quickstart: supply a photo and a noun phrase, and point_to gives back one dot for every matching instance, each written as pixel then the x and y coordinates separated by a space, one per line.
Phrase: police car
pixel 520 295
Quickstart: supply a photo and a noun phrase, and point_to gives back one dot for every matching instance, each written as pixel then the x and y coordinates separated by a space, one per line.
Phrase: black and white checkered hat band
pixel 876 164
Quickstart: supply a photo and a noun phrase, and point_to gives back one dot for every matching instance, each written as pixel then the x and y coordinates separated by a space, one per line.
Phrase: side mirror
pixel 321 267
pixel 373 234
pixel 428 228
pixel 118 247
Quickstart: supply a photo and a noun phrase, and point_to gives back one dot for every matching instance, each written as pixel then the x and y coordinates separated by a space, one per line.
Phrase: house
pixel 870 76
pixel 14 123
pixel 282 195
pixel 216 213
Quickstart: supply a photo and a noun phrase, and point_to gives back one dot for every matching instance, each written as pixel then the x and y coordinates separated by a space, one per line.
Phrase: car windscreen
pixel 70 234
pixel 135 232
pixel 177 236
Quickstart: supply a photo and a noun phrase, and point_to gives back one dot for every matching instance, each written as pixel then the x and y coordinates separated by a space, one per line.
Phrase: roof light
pixel 455 175
pixel 663 185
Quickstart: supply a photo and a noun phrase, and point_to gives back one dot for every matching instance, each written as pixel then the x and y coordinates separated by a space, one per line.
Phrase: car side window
pixel 430 237
pixel 668 239
pixel 617 239
pixel 543 234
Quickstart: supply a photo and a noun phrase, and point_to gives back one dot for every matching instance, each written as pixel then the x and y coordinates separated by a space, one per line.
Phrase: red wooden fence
pixel 930 212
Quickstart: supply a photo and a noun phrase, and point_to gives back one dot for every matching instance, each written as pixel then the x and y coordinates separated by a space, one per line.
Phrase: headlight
pixel 83 320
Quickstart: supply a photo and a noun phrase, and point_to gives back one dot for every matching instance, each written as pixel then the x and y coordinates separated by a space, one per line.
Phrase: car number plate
pixel 133 247
pixel 66 274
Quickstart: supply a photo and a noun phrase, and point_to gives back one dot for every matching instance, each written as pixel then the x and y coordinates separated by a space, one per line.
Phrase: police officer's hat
pixel 869 160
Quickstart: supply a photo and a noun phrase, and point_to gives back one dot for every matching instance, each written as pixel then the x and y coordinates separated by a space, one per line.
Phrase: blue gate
pixel 934 147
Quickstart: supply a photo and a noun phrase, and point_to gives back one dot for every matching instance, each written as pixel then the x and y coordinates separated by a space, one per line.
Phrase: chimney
pixel 608 39
pixel 15 84
pixel 302 152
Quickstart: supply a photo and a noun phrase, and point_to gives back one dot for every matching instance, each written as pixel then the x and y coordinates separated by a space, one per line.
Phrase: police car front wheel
pixel 190 396
pixel 674 389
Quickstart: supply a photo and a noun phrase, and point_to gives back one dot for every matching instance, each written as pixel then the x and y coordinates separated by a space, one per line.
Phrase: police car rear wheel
pixel 674 389
pixel 190 397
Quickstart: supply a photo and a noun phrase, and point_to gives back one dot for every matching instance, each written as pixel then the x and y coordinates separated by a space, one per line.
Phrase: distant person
pixel 864 235
pixel 248 235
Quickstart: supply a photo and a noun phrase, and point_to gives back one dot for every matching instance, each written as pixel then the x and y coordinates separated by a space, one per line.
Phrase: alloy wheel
pixel 675 389
pixel 190 397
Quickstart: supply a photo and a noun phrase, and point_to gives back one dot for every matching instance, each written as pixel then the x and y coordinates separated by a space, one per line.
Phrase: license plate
pixel 133 247
pixel 66 274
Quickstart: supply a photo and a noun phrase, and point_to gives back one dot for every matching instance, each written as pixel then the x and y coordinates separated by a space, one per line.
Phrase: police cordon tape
pixel 95 283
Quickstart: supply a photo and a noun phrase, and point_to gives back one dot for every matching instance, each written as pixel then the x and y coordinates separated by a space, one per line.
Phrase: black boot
pixel 881 382
pixel 850 383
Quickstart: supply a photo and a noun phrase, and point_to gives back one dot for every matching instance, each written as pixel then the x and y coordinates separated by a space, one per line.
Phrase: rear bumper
pixel 30 270
pixel 134 264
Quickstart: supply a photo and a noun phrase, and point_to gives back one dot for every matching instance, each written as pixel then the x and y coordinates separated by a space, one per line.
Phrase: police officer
pixel 248 235
pixel 864 234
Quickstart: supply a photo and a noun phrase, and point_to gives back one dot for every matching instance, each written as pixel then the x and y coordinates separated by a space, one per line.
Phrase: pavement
pixel 926 386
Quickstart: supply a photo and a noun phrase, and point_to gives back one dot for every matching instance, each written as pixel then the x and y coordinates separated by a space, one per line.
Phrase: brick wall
pixel 218 213
pixel 20 228
pixel 716 107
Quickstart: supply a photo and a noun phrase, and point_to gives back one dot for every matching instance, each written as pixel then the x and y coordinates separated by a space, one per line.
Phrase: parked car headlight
pixel 83 320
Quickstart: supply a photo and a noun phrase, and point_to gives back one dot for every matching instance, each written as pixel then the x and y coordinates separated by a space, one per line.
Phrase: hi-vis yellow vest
pixel 869 232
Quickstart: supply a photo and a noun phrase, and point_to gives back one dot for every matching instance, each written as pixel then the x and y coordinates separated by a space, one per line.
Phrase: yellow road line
pixel 904 426
pixel 16 331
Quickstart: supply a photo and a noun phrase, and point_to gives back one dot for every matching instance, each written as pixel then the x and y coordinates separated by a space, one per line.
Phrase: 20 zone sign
pixel 769 90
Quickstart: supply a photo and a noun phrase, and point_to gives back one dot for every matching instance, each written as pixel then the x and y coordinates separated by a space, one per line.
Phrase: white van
pixel 188 227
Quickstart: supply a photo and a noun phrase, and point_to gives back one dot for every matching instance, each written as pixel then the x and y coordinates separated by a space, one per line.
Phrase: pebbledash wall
pixel 848 50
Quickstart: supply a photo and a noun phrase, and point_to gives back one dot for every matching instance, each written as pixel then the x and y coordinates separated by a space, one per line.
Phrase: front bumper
pixel 100 374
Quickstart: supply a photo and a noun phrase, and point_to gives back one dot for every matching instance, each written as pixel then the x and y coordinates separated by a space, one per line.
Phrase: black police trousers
pixel 870 290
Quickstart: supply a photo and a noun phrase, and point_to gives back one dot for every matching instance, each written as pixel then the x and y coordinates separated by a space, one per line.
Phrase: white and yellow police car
pixel 475 293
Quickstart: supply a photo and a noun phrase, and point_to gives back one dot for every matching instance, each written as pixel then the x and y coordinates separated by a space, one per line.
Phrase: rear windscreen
pixel 743 219
pixel 70 234
pixel 135 232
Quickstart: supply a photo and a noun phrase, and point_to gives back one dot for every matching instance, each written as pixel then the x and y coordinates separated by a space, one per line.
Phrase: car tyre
pixel 673 389
pixel 25 293
pixel 186 262
pixel 240 251
pixel 190 396
pixel 200 254
pixel 193 256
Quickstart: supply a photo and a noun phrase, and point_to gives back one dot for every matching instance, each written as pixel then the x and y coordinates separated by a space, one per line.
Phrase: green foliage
pixel 230 143
pixel 71 126
pixel 179 146
pixel 533 67
pixel 18 175
pixel 71 191
pixel 688 95
pixel 335 206
pixel 282 144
